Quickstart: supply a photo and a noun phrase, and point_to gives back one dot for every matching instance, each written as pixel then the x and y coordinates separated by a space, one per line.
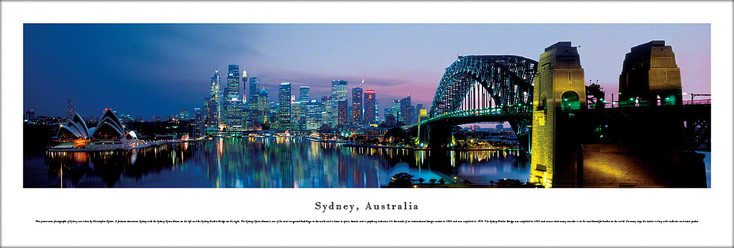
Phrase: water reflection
pixel 282 162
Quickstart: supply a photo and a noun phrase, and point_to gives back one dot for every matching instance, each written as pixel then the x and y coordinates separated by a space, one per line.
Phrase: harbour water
pixel 282 162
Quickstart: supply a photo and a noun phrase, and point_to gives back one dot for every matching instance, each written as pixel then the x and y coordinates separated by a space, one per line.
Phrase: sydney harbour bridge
pixel 647 138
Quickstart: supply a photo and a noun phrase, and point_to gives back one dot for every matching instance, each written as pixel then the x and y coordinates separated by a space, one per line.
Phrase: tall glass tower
pixel 214 103
pixel 233 82
pixel 369 107
pixel 339 93
pixel 253 90
pixel 357 105
pixel 305 93
pixel 284 106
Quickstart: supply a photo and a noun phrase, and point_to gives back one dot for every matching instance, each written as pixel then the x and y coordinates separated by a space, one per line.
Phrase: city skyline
pixel 169 66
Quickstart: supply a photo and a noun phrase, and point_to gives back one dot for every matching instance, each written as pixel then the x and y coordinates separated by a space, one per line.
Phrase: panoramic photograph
pixel 366 105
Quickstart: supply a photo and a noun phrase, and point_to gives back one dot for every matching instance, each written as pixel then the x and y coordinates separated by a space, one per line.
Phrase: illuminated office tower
pixel 213 104
pixel 396 110
pixel 298 115
pixel 313 115
pixel 406 111
pixel 339 93
pixel 284 107
pixel 262 106
pixel 234 114
pixel 370 102
pixel 357 105
pixel 252 102
pixel 233 82
pixel 305 93
pixel 329 109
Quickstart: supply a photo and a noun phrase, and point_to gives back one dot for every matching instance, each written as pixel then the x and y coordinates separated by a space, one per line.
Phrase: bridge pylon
pixel 558 85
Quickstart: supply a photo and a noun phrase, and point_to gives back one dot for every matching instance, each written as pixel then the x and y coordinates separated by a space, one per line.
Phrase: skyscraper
pixel 284 107
pixel 213 104
pixel 233 82
pixel 253 90
pixel 406 111
pixel 328 107
pixel 339 93
pixel 252 102
pixel 369 106
pixel 199 122
pixel 339 90
pixel 357 105
pixel 262 106
pixel 298 115
pixel 305 94
pixel 184 114
pixel 313 115
pixel 342 111
pixel 396 110
pixel 234 115
pixel 70 109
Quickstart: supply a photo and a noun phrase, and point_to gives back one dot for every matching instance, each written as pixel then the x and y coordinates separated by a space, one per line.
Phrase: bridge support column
pixel 559 86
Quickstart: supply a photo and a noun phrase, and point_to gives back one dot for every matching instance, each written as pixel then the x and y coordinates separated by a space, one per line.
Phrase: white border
pixel 712 207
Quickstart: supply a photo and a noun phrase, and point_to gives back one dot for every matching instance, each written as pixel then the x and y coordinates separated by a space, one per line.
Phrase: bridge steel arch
pixel 508 81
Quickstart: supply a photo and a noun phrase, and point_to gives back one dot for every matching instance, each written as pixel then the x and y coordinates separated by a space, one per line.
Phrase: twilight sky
pixel 157 69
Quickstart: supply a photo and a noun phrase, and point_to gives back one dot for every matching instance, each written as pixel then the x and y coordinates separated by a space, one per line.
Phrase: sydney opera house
pixel 109 134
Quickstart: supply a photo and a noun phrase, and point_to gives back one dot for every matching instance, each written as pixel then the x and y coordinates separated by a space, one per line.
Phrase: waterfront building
pixel 370 105
pixel 109 134
pixel 284 108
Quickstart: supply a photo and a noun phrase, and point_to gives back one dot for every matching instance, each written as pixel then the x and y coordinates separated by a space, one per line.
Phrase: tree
pixel 401 180
pixel 432 181
pixel 442 181
pixel 491 182
pixel 421 180
pixel 397 134
pixel 324 128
